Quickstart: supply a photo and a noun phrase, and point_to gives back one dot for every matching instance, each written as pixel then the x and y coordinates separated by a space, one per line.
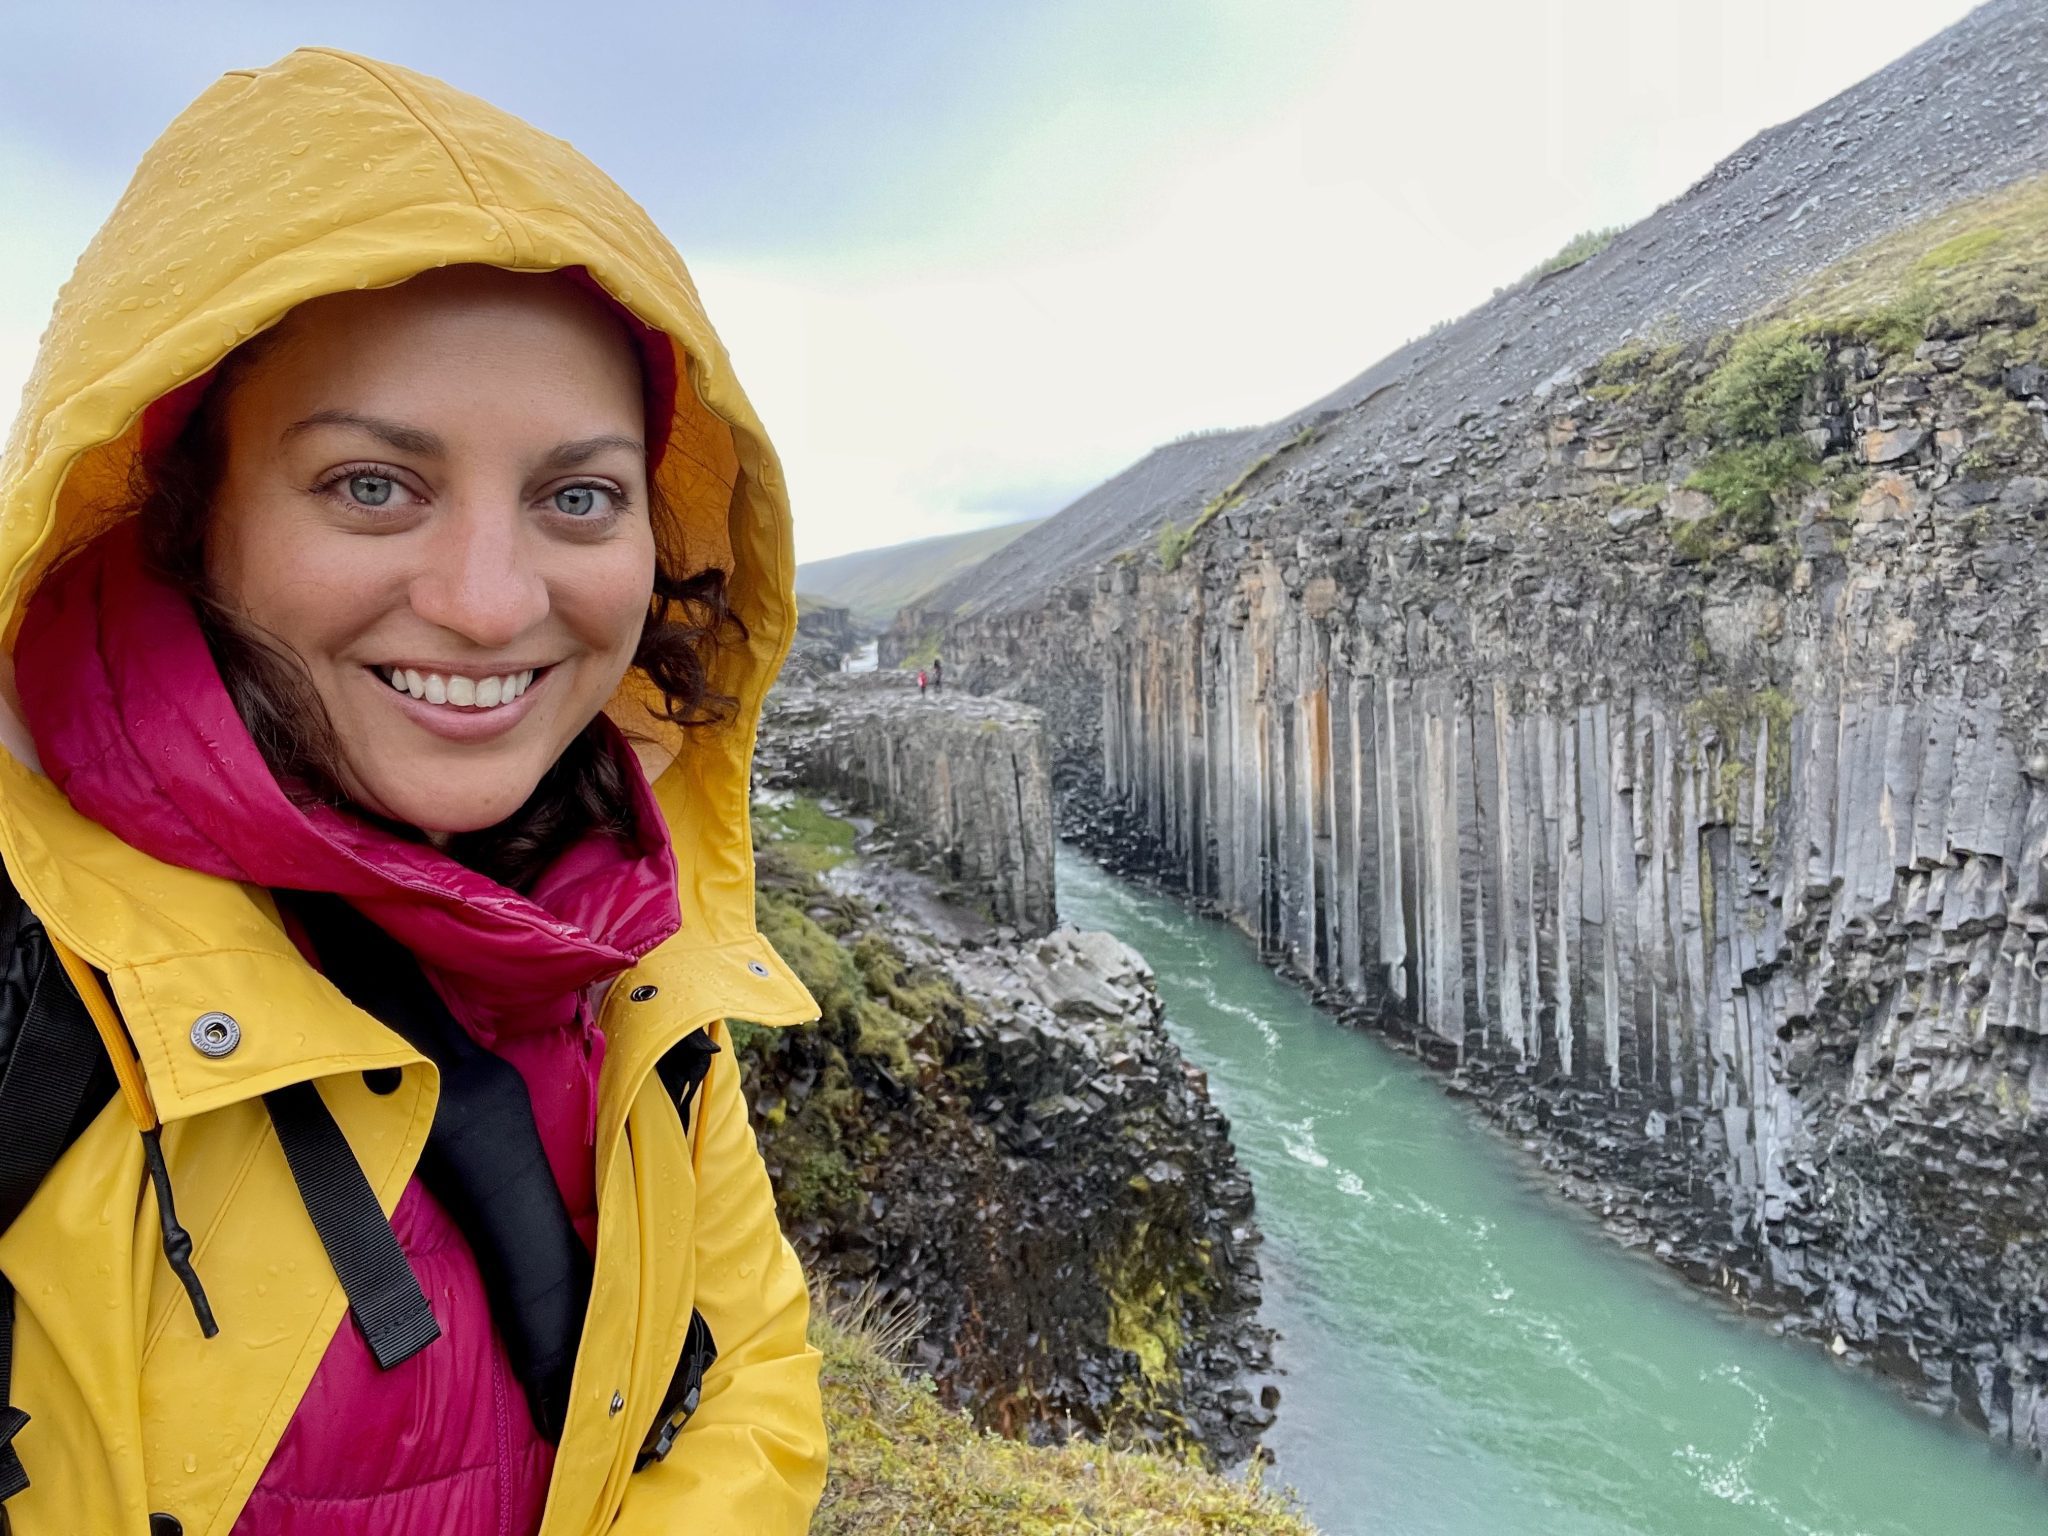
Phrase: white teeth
pixel 461 692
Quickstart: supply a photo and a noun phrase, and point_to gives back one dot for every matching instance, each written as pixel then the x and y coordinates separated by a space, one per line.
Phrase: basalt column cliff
pixel 1634 695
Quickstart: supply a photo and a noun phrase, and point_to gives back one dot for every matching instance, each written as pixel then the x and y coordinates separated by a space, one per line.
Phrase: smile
pixel 455 690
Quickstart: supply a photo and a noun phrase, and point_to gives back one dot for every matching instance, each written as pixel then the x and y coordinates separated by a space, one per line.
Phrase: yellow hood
pixel 328 172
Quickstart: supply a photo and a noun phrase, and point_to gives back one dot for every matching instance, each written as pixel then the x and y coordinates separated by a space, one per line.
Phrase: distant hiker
pixel 920 680
pixel 938 674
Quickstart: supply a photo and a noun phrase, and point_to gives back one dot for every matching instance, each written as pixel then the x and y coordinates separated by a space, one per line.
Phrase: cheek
pixel 605 600
pixel 309 592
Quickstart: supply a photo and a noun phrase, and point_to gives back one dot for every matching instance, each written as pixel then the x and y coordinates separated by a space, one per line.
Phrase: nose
pixel 481 578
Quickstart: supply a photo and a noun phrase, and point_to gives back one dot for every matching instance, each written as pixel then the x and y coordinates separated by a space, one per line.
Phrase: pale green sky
pixel 972 258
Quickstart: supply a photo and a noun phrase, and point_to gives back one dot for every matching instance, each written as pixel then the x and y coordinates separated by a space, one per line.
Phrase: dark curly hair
pixel 584 791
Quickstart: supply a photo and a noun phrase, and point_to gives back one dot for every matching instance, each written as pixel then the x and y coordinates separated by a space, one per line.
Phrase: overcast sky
pixel 972 258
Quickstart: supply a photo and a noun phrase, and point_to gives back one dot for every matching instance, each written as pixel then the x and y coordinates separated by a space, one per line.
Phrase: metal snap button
pixel 215 1034
pixel 618 1402
pixel 757 967
pixel 161 1524
pixel 643 994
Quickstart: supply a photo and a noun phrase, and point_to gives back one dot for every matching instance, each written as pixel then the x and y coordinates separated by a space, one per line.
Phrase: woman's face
pixel 436 495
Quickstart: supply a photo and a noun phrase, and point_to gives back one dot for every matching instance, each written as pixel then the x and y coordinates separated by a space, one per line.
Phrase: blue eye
pixel 580 500
pixel 371 490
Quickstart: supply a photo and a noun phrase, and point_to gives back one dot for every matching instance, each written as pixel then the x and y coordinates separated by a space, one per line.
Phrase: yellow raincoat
pixel 321 173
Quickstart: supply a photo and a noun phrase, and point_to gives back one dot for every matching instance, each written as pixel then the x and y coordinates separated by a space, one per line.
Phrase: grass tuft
pixel 1582 247
pixel 903 1463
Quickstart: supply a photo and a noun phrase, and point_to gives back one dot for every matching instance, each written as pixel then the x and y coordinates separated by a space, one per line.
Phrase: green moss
pixel 1960 250
pixel 1231 497
pixel 903 1462
pixel 804 833
pixel 882 1021
pixel 1646 378
pixel 1729 719
pixel 1980 263
pixel 922 651
pixel 1153 1280
pixel 1173 544
pixel 1582 247
pixel 1845 484
pixel 1747 483
pixel 1755 394
pixel 2004 434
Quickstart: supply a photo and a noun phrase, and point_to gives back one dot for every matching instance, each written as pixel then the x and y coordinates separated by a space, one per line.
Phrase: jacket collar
pixel 176 945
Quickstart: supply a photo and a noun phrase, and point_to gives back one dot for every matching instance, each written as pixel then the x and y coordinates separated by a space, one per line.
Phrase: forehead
pixel 473 337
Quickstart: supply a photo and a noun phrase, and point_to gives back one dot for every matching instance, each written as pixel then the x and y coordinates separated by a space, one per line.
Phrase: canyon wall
pixel 1711 849
pixel 963 782
pixel 1631 695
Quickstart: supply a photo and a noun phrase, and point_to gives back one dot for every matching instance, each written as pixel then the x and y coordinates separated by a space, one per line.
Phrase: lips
pixel 452 721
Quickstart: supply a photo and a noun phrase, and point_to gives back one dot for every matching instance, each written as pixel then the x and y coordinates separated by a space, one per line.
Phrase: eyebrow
pixel 583 449
pixel 405 439
pixel 417 440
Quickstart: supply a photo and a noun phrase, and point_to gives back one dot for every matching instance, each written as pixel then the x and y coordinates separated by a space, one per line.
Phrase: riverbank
pixel 998 1131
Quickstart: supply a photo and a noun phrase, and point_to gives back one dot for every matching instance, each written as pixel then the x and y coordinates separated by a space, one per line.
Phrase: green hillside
pixel 874 583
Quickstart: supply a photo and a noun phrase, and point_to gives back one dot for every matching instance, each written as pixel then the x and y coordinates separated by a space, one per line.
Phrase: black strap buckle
pixel 684 1392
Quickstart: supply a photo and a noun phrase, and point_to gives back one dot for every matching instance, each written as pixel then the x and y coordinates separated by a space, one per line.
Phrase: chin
pixel 445 815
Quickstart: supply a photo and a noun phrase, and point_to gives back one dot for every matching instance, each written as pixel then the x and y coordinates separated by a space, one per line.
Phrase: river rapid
pixel 1462 1354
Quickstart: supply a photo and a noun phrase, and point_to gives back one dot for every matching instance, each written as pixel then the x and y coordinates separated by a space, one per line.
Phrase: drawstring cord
pixel 142 1110
pixel 177 1241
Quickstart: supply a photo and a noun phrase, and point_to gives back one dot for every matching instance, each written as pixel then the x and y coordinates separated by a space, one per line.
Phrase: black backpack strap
pixel 55 1057
pixel 13 1476
pixel 484 1160
pixel 383 1292
pixel 682 1070
pixel 53 1063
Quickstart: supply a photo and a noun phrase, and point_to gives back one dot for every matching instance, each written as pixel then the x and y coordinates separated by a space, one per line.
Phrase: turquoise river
pixel 1464 1355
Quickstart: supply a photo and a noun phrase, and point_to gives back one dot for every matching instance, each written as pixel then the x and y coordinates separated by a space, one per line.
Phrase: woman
pixel 392 575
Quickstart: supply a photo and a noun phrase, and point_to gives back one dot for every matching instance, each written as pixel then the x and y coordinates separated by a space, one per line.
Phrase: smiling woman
pixel 391 574
pixel 432 579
